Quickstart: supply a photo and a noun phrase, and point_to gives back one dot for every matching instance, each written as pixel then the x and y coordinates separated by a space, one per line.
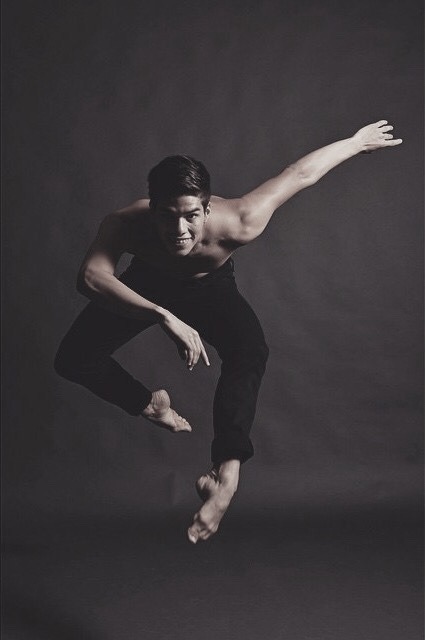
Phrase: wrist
pixel 161 314
pixel 357 145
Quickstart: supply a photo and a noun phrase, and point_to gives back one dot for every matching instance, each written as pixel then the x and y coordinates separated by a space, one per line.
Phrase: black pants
pixel 213 306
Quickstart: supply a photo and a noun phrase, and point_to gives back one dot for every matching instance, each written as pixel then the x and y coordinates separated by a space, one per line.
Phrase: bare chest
pixel 201 261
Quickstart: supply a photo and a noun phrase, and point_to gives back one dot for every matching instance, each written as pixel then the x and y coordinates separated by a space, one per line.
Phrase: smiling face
pixel 180 223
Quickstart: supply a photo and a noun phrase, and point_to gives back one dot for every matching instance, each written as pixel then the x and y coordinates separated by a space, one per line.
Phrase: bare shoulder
pixel 131 223
pixel 133 212
pixel 225 219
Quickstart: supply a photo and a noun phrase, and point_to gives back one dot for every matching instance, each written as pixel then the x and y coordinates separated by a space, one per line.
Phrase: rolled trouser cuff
pixel 233 445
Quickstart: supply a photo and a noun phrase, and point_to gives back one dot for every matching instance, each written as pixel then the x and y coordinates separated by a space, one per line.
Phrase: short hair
pixel 179 176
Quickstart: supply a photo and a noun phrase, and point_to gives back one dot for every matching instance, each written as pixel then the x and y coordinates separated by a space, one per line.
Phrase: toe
pixel 196 530
pixel 204 535
pixel 181 423
pixel 192 535
pixel 184 427
pixel 201 528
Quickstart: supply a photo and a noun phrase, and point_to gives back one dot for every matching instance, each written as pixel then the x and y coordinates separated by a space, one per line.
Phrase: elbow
pixel 92 281
pixel 307 179
pixel 311 179
pixel 305 176
pixel 84 283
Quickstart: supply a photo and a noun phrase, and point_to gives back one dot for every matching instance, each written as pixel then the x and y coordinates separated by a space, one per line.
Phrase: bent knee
pixel 62 363
pixel 69 363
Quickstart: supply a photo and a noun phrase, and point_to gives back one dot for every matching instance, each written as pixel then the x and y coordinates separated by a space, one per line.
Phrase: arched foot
pixel 160 413
pixel 216 488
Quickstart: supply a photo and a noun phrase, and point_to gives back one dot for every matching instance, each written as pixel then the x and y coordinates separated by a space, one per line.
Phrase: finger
pixel 190 359
pixel 195 350
pixel 388 136
pixel 381 122
pixel 204 355
pixel 192 348
pixel 394 143
pixel 189 354
pixel 387 128
pixel 196 354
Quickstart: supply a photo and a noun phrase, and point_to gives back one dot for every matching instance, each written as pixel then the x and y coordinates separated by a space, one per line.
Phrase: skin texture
pixel 183 239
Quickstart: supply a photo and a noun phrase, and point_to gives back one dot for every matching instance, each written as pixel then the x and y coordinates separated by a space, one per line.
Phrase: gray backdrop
pixel 322 541
pixel 95 94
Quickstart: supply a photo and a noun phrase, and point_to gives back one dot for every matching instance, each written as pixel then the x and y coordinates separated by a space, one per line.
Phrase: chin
pixel 179 251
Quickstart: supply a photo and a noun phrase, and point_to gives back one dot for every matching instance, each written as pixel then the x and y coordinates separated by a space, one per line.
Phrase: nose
pixel 181 226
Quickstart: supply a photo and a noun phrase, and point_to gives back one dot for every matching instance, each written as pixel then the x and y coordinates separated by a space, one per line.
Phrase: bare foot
pixel 160 413
pixel 216 489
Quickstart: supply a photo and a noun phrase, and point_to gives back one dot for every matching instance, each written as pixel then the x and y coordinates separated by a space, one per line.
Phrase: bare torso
pixel 215 247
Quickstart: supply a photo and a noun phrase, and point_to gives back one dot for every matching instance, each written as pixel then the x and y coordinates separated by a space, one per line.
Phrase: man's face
pixel 180 223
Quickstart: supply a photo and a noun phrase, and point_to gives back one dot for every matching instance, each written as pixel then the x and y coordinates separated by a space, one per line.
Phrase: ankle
pixel 228 474
pixel 148 411
pixel 159 400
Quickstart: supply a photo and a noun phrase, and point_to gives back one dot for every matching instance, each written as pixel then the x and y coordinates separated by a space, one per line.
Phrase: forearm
pixel 315 165
pixel 111 294
pixel 259 205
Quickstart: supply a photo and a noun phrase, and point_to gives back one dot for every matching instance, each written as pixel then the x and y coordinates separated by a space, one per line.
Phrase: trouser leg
pixel 235 402
pixel 225 320
pixel 84 357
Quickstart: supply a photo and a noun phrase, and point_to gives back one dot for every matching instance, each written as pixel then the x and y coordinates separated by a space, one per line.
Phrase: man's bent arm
pixel 96 279
pixel 257 207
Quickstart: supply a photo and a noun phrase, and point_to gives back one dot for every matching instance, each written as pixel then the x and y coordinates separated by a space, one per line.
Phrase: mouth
pixel 180 242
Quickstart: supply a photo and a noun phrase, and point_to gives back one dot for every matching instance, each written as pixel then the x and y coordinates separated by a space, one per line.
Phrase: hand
pixel 376 136
pixel 188 341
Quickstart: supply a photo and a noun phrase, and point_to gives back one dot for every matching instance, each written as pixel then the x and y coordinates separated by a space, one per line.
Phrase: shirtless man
pixel 181 278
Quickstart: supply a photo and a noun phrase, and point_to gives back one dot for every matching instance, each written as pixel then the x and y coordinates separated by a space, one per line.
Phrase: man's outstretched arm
pixel 257 207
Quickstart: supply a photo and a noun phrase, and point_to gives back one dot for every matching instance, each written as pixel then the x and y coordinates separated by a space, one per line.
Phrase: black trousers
pixel 214 307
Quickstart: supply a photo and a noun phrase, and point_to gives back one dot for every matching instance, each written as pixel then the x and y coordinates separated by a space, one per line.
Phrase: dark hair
pixel 179 176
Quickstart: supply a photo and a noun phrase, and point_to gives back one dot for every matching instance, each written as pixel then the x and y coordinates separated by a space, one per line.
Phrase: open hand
pixel 376 136
pixel 188 341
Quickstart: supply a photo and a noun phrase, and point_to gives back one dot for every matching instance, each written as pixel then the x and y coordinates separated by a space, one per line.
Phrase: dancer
pixel 181 278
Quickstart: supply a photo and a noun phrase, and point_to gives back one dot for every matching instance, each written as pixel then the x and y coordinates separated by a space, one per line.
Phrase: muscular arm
pixel 255 209
pixel 97 280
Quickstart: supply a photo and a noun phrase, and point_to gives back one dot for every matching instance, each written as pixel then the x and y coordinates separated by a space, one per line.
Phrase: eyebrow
pixel 185 213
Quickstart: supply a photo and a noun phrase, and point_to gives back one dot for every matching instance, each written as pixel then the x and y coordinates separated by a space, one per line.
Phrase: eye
pixel 191 216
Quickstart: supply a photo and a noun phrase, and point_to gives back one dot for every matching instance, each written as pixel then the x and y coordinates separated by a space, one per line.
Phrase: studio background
pixel 96 93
